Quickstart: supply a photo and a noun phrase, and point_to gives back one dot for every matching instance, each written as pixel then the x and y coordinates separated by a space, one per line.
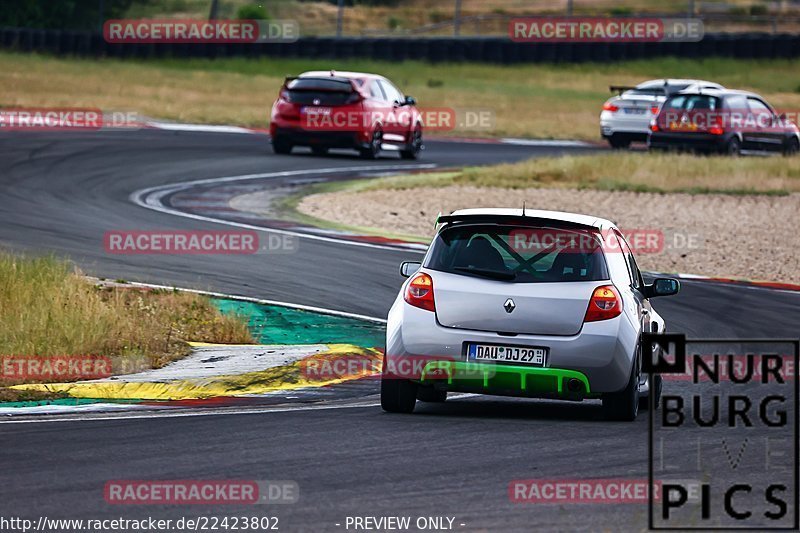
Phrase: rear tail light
pixel 604 304
pixel 419 292
pixel 608 106
pixel 716 128
pixel 653 125
pixel 654 109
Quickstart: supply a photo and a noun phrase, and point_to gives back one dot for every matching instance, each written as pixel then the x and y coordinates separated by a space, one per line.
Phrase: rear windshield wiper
pixel 494 274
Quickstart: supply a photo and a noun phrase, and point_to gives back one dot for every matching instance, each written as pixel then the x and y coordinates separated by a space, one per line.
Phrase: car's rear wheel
pixel 280 146
pixel 414 145
pixel 398 395
pixel 792 147
pixel 624 405
pixel 734 147
pixel 319 150
pixel 430 394
pixel 373 149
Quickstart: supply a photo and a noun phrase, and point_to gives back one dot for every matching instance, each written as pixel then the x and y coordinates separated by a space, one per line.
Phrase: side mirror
pixel 410 100
pixel 662 287
pixel 409 267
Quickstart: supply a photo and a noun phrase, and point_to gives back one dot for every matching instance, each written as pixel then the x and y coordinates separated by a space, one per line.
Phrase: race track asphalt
pixel 61 191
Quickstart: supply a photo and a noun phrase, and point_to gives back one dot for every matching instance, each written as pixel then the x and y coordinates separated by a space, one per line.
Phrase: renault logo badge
pixel 509 305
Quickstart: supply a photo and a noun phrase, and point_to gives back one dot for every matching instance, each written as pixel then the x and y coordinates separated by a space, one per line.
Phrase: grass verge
pixel 49 309
pixel 618 171
pixel 538 101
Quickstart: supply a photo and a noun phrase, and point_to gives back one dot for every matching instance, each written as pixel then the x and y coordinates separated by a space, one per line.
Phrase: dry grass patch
pixel 537 101
pixel 49 309
pixel 619 171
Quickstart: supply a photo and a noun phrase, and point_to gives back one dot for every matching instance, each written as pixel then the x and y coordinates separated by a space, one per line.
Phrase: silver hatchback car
pixel 523 303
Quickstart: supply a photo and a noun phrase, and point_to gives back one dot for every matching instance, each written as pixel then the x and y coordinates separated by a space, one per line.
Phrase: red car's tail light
pixel 604 304
pixel 608 106
pixel 419 292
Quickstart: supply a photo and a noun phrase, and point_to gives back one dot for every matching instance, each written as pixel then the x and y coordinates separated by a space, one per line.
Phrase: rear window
pixel 692 102
pixel 519 254
pixel 319 91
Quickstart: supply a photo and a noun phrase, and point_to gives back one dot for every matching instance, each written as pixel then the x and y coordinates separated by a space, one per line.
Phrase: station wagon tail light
pixel 653 125
pixel 654 109
pixel 605 304
pixel 716 128
pixel 419 292
pixel 608 106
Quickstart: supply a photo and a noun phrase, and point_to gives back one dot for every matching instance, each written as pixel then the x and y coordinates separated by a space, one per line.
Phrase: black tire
pixel 279 146
pixel 619 143
pixel 655 389
pixel 431 395
pixel 624 405
pixel 414 146
pixel 398 395
pixel 792 147
pixel 374 149
pixel 319 150
pixel 734 147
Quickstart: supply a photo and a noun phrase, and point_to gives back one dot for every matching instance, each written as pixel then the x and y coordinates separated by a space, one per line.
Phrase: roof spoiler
pixel 619 89
pixel 353 86
pixel 516 219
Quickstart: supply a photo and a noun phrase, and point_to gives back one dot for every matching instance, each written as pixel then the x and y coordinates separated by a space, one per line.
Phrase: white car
pixel 626 118
pixel 523 303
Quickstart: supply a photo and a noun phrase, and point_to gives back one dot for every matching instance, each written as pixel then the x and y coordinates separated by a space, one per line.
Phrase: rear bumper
pixel 510 380
pixel 637 128
pixel 329 139
pixel 687 141
pixel 602 352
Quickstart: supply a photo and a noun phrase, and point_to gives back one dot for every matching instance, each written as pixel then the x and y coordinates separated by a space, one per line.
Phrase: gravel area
pixel 754 237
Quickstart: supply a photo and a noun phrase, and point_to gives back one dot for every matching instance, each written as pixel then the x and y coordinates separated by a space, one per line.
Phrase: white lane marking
pixel 221 412
pixel 150 198
pixel 206 128
pixel 544 142
pixel 321 310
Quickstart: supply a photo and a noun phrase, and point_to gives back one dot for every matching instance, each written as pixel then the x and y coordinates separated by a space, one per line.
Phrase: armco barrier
pixel 496 50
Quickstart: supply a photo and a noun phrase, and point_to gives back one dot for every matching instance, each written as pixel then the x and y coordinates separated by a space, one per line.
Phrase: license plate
pixel 308 110
pixel 678 126
pixel 506 354
pixel 633 111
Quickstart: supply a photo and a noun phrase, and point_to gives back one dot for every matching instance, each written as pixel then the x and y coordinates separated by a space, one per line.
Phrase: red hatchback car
pixel 324 110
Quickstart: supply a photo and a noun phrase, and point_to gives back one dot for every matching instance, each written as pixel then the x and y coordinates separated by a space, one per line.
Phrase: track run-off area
pixel 61 191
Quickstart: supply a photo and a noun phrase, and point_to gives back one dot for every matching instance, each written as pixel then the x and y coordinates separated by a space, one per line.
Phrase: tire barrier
pixel 495 50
